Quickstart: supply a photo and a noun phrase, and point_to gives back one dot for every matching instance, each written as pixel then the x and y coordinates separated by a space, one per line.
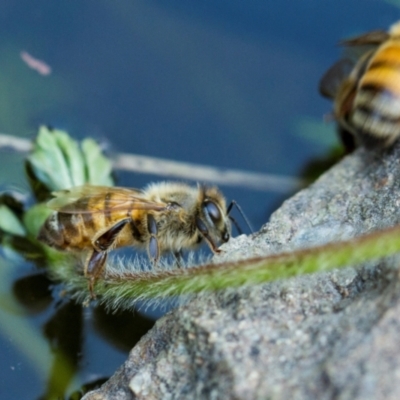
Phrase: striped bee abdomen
pixel 375 114
pixel 62 232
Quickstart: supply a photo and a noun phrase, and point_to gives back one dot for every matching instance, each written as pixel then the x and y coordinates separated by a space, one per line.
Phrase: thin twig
pixel 204 173
pixel 158 166
pixel 15 143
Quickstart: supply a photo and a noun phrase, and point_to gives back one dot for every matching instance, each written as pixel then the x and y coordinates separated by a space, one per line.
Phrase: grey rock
pixel 332 335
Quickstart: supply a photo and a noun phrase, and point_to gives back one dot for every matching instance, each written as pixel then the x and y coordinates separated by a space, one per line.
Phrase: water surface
pixel 231 84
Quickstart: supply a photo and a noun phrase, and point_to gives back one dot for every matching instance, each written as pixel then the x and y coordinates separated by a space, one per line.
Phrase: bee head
pixel 212 220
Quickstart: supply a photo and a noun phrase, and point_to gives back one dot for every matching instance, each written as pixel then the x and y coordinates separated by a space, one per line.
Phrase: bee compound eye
pixel 212 210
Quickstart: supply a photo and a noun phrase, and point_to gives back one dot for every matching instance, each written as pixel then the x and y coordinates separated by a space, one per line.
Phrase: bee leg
pixel 94 268
pixel 107 239
pixel 153 249
pixel 201 226
pixel 97 259
pixel 179 258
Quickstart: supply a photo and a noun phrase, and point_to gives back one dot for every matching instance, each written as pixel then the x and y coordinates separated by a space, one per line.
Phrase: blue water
pixel 222 83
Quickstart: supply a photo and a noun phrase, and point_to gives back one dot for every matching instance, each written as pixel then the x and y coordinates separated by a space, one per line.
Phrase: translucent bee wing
pixel 334 77
pixel 357 47
pixel 373 38
pixel 357 50
pixel 91 199
pixel 77 192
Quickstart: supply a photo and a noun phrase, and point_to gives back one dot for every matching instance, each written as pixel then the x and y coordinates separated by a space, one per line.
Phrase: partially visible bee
pixel 366 91
pixel 164 217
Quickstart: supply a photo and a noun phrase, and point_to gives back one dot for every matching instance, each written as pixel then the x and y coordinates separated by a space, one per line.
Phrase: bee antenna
pixel 229 209
pixel 237 226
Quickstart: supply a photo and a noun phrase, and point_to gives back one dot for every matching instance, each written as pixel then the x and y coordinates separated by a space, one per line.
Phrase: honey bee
pixel 164 217
pixel 366 91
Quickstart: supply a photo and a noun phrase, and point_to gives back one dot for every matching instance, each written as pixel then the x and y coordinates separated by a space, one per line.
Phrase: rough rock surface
pixel 332 335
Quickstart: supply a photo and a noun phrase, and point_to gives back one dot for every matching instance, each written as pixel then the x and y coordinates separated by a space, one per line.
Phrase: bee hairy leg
pixel 94 268
pixel 97 259
pixel 107 239
pixel 153 248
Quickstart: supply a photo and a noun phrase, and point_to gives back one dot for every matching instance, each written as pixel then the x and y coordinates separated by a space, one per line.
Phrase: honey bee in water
pixel 366 91
pixel 164 217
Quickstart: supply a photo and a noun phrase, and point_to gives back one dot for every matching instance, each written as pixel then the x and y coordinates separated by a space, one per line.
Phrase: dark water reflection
pixel 223 83
pixel 33 292
pixel 69 328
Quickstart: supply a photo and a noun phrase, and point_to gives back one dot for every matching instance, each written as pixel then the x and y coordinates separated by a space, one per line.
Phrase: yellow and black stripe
pixel 375 113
